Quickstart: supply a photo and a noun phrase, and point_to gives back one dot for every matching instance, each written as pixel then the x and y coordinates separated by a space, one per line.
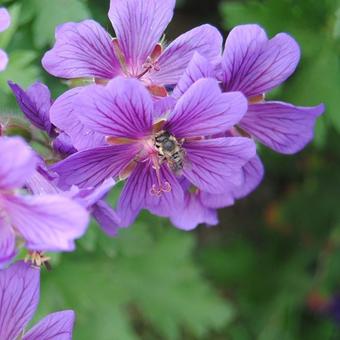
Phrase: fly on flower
pixel 153 151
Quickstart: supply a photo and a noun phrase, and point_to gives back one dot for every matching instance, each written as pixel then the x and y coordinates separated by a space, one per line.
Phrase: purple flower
pixel 93 199
pixel 19 298
pixel 254 65
pixel 35 103
pixel 5 22
pixel 45 222
pixel 86 50
pixel 122 113
pixel 252 172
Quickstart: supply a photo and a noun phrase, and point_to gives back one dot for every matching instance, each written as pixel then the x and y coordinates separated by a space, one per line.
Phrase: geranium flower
pixel 44 222
pixel 19 298
pixel 122 112
pixel 86 50
pixel 5 22
pixel 254 65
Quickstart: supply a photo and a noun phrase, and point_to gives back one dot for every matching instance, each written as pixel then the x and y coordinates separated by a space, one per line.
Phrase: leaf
pixel 151 281
pixel 20 69
pixel 50 14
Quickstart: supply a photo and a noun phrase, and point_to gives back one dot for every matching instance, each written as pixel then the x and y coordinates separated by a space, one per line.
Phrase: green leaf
pixel 21 69
pixel 50 14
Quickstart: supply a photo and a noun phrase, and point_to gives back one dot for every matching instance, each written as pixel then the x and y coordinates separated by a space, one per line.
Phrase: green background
pixel 271 266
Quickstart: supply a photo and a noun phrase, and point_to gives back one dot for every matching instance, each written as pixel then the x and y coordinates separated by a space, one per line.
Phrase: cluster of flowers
pixel 176 122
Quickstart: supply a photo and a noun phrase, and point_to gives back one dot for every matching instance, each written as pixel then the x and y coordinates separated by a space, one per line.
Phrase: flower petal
pixel 281 126
pixel 35 103
pixel 7 241
pixel 63 116
pixel 198 114
pixel 253 64
pixel 19 298
pixel 18 162
pixel 193 213
pixel 121 109
pixel 204 39
pixel 126 106
pixel 47 222
pixel 137 194
pixel 3 60
pixel 218 201
pixel 106 217
pixel 214 162
pixel 91 167
pixel 58 326
pixel 253 173
pixel 139 26
pixel 199 67
pixel 82 49
pixel 5 19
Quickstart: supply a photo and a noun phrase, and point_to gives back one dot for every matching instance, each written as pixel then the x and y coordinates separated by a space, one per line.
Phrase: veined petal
pixel 5 19
pixel 91 167
pixel 281 126
pixel 47 222
pixel 18 162
pixel 58 326
pixel 199 114
pixel 7 241
pixel 214 162
pixel 199 67
pixel 253 64
pixel 139 25
pixel 63 116
pixel 3 60
pixel 205 39
pixel 82 49
pixel 19 298
pixel 123 108
pixel 193 213
pixel 137 193
pixel 35 103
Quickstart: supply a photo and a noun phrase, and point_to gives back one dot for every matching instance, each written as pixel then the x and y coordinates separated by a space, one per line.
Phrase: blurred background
pixel 271 269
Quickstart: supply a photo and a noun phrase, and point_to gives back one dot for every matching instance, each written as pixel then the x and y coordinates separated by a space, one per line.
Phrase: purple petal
pixel 19 297
pixel 62 144
pixel 3 60
pixel 137 193
pixel 198 114
pixel 193 213
pixel 217 201
pixel 205 39
pixel 121 109
pixel 91 167
pixel 253 173
pixel 139 26
pixel 47 222
pixel 18 162
pixel 5 19
pixel 253 64
pixel 35 103
pixel 55 326
pixel 281 126
pixel 7 241
pixel 215 161
pixel 90 196
pixel 198 68
pixel 82 49
pixel 63 116
pixel 106 217
pixel 163 106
